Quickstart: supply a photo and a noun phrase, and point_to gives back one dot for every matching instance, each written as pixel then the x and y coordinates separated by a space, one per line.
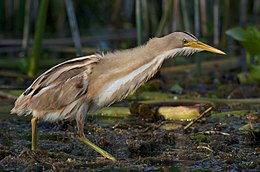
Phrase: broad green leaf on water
pixel 179 112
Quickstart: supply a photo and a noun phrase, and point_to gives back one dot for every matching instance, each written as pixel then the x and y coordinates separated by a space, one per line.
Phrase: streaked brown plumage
pixel 83 85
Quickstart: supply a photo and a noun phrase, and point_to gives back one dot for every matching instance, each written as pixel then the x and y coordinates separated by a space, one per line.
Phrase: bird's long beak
pixel 204 47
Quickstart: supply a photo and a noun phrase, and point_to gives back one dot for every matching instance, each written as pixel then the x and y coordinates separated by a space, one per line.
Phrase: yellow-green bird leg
pixel 34 140
pixel 96 148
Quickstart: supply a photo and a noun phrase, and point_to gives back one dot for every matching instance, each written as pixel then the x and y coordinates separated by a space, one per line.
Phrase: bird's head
pixel 182 44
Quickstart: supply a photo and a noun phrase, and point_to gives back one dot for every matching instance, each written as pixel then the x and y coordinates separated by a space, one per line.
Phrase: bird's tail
pixel 20 108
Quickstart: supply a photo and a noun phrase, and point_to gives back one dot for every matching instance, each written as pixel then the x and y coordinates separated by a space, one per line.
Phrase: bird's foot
pixel 87 142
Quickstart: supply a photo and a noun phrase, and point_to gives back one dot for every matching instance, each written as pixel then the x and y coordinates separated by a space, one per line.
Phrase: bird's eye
pixel 185 41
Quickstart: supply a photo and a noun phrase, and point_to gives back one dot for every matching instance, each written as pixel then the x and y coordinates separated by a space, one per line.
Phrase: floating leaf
pixel 179 112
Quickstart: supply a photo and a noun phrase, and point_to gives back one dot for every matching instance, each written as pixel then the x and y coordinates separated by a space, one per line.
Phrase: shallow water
pixel 138 144
pixel 222 141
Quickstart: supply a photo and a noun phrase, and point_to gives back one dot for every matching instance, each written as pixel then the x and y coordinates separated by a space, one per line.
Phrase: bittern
pixel 70 90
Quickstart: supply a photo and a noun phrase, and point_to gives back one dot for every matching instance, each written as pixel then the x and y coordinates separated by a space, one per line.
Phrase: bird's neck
pixel 137 57
pixel 123 72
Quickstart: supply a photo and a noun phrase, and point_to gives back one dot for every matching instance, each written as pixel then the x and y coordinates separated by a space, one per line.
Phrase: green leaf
pixel 237 33
pixel 249 38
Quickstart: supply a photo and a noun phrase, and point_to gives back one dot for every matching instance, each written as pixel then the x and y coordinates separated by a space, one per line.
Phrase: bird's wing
pixel 59 86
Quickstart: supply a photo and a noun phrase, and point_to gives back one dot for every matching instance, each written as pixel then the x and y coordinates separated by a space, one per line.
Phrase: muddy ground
pixel 225 139
pixel 214 142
